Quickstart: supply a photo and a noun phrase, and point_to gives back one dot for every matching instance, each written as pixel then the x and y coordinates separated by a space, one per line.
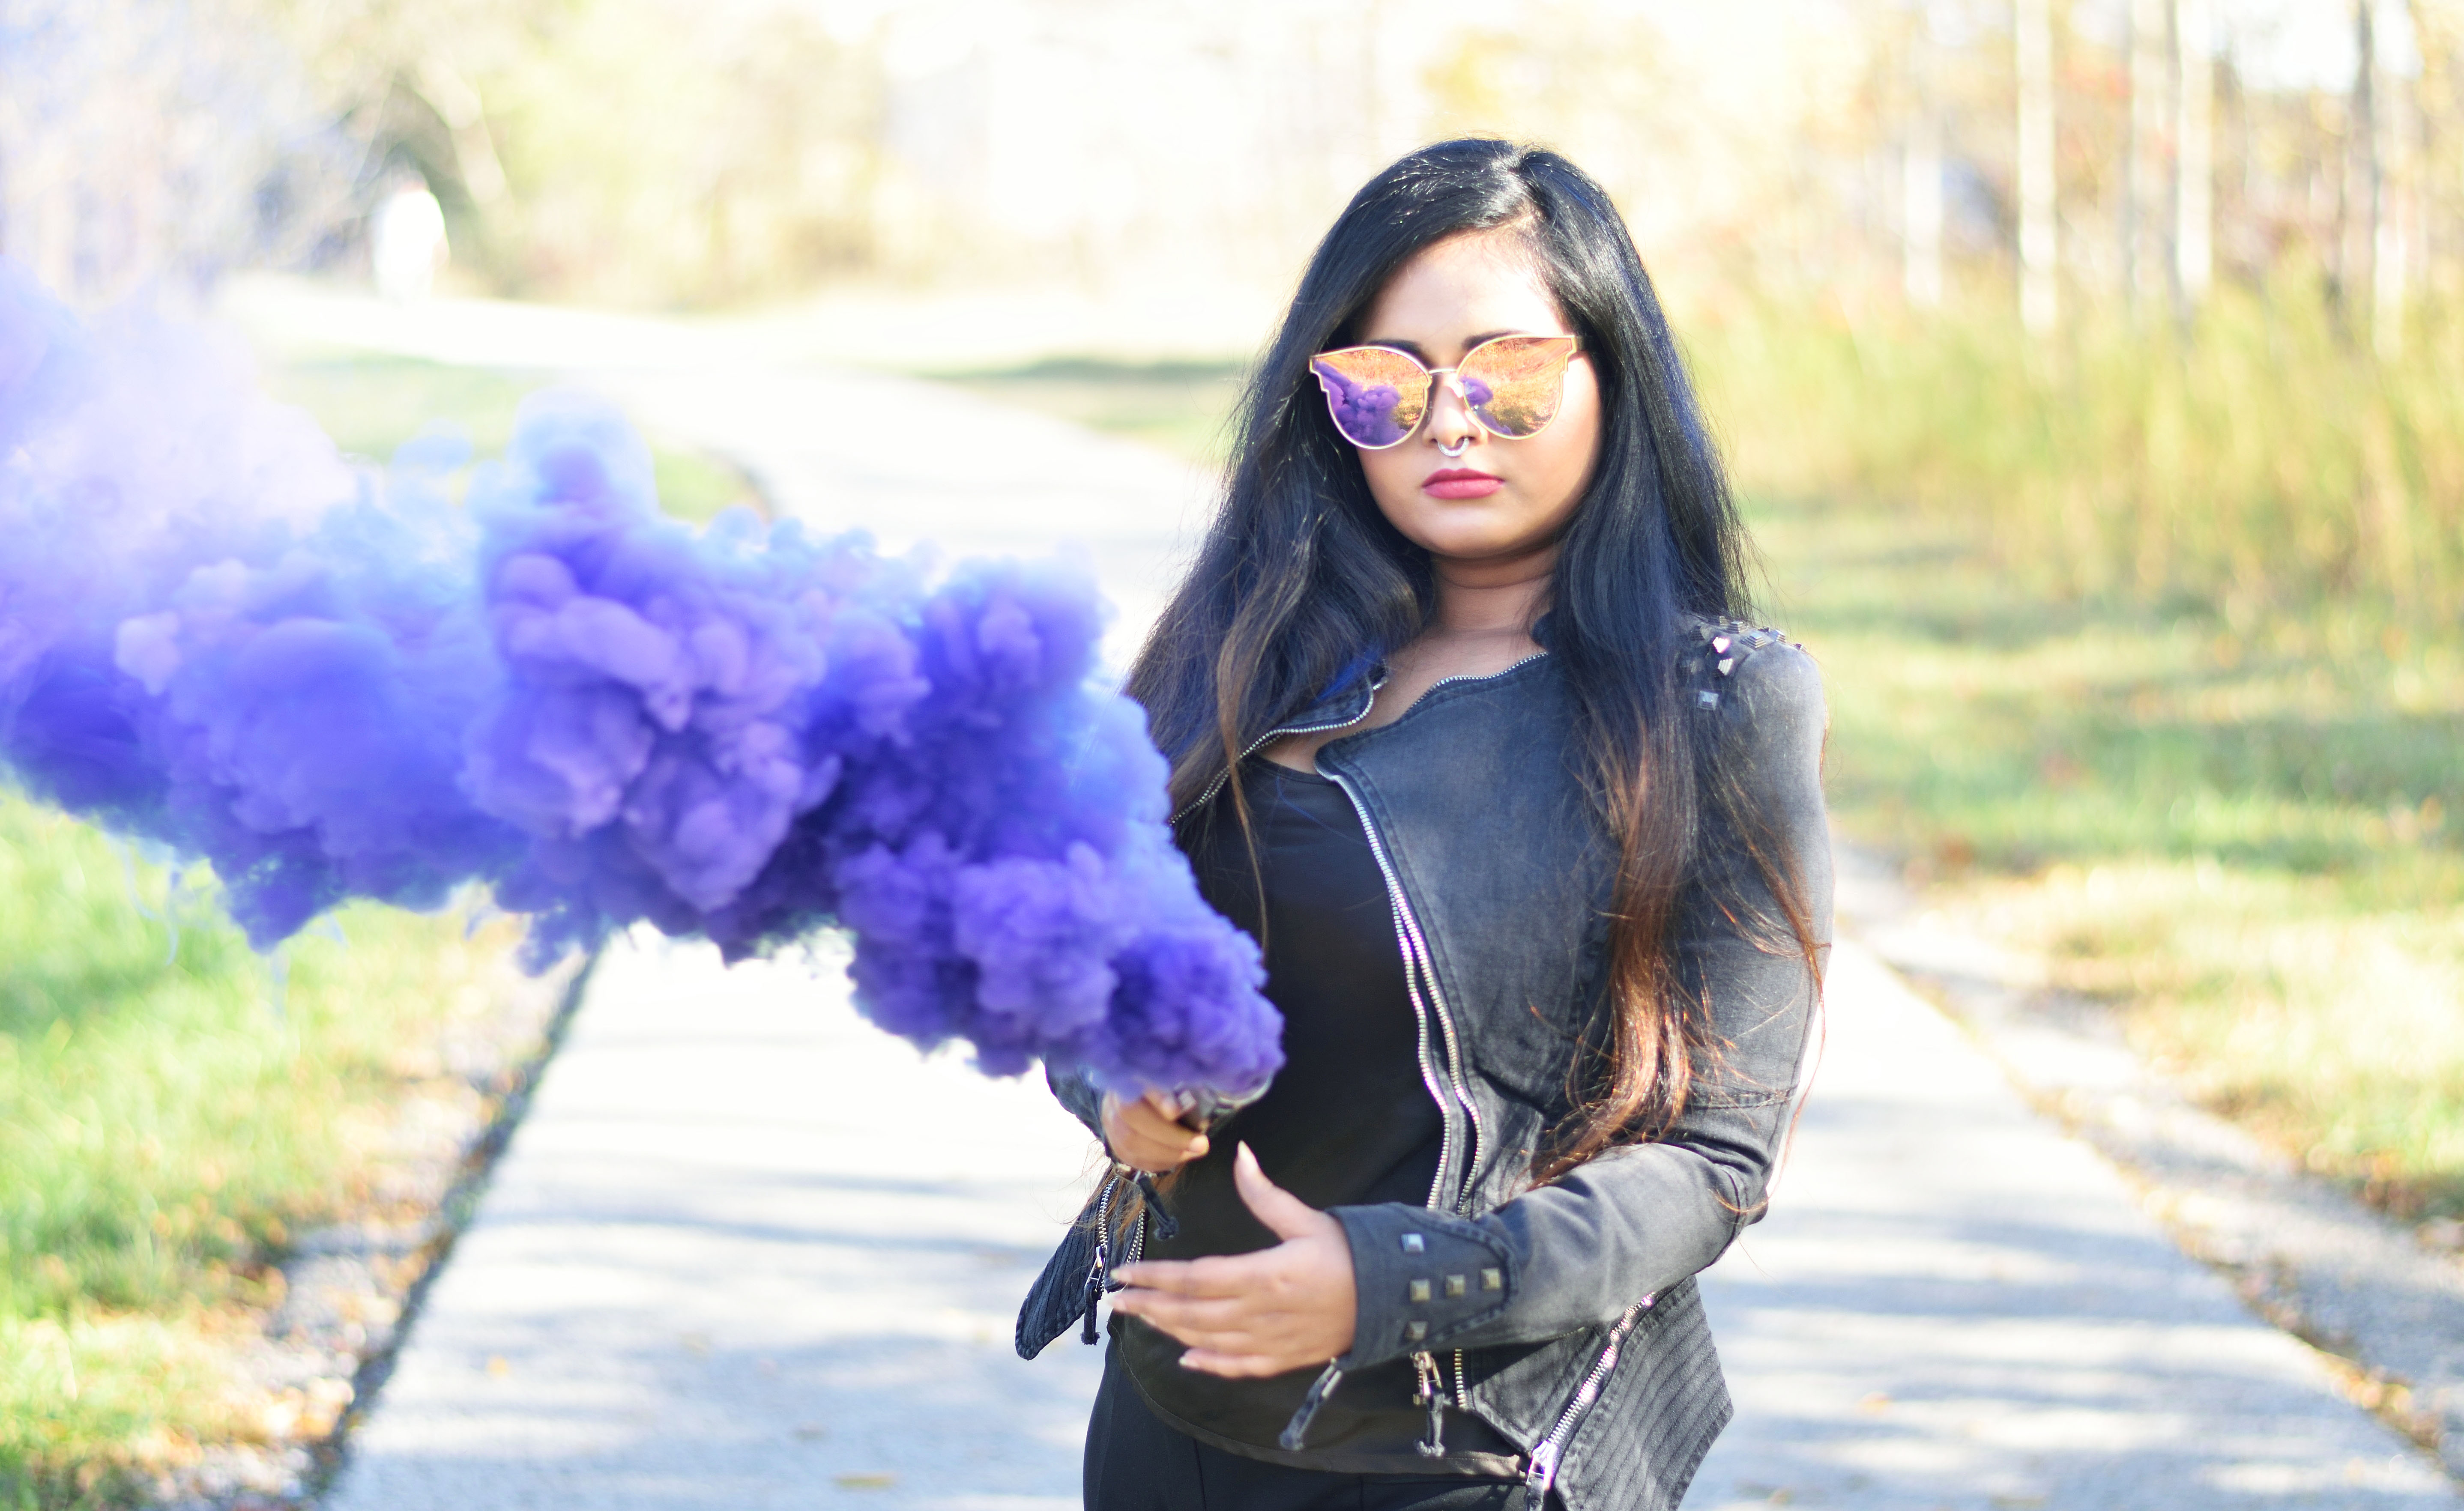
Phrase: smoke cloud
pixel 218 636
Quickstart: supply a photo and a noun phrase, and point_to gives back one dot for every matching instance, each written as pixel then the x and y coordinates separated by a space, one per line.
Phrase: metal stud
pixel 1414 1244
pixel 1728 664
pixel 1417 1331
pixel 1707 698
pixel 1492 1280
pixel 1454 1286
pixel 1721 645
pixel 1420 1290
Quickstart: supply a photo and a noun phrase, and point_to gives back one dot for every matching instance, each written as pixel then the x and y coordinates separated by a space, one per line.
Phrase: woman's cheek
pixel 1396 489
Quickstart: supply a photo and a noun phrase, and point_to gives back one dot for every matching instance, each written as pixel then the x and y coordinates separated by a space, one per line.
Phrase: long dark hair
pixel 1301 578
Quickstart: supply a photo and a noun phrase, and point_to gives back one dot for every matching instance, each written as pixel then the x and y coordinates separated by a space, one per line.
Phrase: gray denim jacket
pixel 1566 1315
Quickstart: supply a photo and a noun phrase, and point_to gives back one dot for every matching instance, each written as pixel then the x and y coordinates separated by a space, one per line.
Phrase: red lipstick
pixel 1459 482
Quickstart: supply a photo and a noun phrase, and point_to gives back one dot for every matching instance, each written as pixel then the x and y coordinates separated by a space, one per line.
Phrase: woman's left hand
pixel 1243 1315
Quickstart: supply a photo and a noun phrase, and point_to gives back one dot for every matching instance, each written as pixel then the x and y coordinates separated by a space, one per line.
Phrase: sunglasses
pixel 1512 385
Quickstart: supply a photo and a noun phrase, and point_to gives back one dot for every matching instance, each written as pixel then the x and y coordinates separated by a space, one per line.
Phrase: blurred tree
pixel 2146 263
pixel 2194 80
pixel 144 140
pixel 656 150
pixel 2050 153
pixel 2390 136
pixel 1922 170
pixel 2040 233
pixel 2363 188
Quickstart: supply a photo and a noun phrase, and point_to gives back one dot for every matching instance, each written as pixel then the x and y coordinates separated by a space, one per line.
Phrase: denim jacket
pixel 1566 1315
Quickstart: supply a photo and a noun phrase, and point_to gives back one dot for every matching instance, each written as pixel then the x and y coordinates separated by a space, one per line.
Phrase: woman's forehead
pixel 1480 284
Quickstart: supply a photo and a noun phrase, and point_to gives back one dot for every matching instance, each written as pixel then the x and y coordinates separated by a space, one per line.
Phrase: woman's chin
pixel 1499 547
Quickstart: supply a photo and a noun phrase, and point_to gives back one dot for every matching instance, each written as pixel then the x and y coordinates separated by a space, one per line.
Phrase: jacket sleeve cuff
pixel 1078 1094
pixel 1423 1279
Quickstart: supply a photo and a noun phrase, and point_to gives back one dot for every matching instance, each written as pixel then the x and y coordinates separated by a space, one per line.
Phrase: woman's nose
pixel 1450 419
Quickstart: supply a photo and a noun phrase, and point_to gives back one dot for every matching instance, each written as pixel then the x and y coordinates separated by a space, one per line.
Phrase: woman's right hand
pixel 1147 1134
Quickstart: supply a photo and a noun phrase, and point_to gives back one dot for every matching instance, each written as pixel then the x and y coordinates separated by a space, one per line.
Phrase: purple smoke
pixel 217 636
pixel 1365 412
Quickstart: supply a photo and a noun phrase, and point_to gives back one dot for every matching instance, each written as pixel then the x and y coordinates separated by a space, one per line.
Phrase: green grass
pixel 2144 652
pixel 2257 466
pixel 2233 805
pixel 167 1127
pixel 1181 406
pixel 163 1130
pixel 372 405
pixel 2250 849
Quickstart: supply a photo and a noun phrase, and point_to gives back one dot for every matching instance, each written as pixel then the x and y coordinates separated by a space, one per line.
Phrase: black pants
pixel 1136 1463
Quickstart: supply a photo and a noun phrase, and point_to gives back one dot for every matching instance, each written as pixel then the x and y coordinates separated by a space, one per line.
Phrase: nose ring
pixel 1451 453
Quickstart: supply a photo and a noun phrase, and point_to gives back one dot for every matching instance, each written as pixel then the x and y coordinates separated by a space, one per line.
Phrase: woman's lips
pixel 1459 482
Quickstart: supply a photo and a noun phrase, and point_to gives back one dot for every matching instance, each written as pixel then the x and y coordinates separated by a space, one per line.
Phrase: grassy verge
pixel 370 404
pixel 169 1121
pixel 2232 807
pixel 1181 406
pixel 2144 652
pixel 2247 847
pixel 2257 465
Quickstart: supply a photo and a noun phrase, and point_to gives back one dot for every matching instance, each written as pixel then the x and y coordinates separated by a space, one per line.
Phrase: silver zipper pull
pixel 1296 1431
pixel 1543 1474
pixel 1094 1298
pixel 1430 1394
pixel 1099 1274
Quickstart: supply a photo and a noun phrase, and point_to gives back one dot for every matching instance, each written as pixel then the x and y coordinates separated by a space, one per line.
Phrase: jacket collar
pixel 1345 698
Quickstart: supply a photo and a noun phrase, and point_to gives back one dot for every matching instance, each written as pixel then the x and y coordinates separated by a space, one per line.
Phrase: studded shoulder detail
pixel 1717 647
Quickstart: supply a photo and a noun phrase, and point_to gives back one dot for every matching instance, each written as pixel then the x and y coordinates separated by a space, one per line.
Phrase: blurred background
pixel 2092 372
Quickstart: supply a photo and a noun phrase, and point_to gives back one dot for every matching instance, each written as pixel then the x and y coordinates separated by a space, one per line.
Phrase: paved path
pixel 747 1251
pixel 1956 1305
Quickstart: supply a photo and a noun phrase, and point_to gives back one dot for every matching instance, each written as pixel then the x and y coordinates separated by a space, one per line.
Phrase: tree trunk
pixel 2391 128
pixel 2039 226
pixel 2358 234
pixel 466 122
pixel 2146 272
pixel 1921 179
pixel 2195 151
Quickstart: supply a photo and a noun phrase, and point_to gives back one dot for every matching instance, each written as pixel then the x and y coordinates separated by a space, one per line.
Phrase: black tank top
pixel 1348 1121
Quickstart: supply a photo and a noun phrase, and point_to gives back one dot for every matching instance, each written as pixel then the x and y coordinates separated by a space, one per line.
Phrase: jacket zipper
pixel 1552 1449
pixel 1407 936
pixel 1418 972
pixel 1419 977
pixel 1267 738
pixel 1099 1274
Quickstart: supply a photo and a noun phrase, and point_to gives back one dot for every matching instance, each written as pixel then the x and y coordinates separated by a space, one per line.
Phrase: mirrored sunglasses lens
pixel 1516 384
pixel 1376 396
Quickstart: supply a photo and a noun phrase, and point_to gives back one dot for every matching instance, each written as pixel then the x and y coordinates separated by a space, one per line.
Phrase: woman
pixel 1463 730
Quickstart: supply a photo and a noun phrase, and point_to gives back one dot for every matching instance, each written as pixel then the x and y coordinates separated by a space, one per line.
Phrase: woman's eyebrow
pixel 1421 352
